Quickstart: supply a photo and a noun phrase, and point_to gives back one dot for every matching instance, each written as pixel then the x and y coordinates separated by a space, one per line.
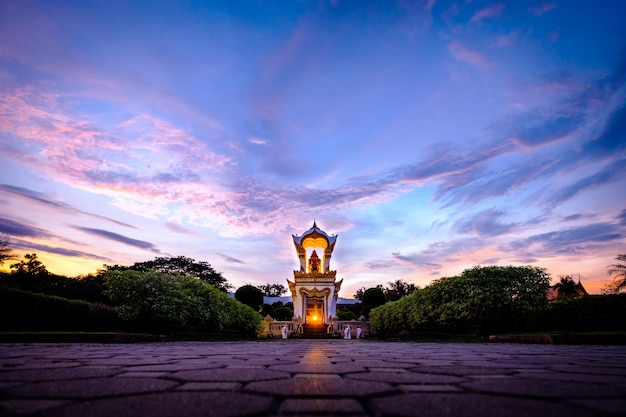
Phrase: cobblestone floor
pixel 310 377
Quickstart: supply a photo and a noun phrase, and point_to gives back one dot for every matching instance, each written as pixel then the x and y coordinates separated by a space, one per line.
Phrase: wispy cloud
pixel 119 238
pixel 542 8
pixel 464 53
pixel 13 228
pixel 47 201
pixel 230 259
pixel 567 241
pixel 493 11
pixel 33 246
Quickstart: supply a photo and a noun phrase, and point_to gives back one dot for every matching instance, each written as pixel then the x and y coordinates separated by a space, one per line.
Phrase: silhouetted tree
pixel 30 266
pixel 272 290
pixel 372 298
pixel 566 289
pixel 250 296
pixel 398 289
pixel 5 251
pixel 618 271
pixel 179 265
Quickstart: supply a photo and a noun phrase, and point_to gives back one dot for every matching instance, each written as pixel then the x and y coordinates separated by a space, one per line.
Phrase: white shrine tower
pixel 314 290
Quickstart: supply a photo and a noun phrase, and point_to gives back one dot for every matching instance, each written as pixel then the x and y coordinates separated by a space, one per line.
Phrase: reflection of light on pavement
pixel 315 354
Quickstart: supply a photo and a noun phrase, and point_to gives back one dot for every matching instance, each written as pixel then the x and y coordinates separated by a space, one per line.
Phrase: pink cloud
pixel 493 11
pixel 464 53
pixel 542 8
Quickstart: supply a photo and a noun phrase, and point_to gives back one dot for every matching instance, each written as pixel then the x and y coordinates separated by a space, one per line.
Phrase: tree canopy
pixel 250 296
pixel 272 290
pixel 5 251
pixel 179 265
pixel 618 271
pixel 30 266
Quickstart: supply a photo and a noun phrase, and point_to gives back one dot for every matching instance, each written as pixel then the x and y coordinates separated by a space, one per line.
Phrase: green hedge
pixel 482 299
pixel 589 313
pixel 158 301
pixel 22 310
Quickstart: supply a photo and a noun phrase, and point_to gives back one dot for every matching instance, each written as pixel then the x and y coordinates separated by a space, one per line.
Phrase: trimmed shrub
pixel 250 296
pixel 346 315
pixel 589 313
pixel 485 299
pixel 22 310
pixel 283 313
pixel 160 301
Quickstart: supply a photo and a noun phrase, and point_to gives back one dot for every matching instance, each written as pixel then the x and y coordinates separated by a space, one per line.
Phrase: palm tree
pixel 619 272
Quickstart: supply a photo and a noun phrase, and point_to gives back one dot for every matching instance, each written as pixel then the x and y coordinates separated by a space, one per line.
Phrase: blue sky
pixel 431 136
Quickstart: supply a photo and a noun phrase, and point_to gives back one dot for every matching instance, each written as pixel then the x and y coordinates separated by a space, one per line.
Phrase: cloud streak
pixel 119 238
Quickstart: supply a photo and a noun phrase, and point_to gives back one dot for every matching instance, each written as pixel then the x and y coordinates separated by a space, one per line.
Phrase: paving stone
pixel 544 389
pixel 90 388
pixel 453 405
pixel 319 405
pixel 407 377
pixel 307 378
pixel 229 374
pixel 172 404
pixel 604 405
pixel 320 387
pixel 429 388
pixel 58 374
pixel 210 386
pixel 319 367
pixel 8 407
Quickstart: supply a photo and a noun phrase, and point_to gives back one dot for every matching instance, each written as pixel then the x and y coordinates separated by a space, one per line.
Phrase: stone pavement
pixel 311 377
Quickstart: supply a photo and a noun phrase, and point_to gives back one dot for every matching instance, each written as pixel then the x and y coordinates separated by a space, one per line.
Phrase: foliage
pixel 5 251
pixel 283 313
pixel 179 265
pixel 88 288
pixel 250 296
pixel 373 297
pixel 29 266
pixel 398 289
pixel 590 313
pixel 566 289
pixel 346 315
pixel 393 291
pixel 491 297
pixel 619 279
pixel 267 310
pixel 22 310
pixel 162 301
pixel 272 290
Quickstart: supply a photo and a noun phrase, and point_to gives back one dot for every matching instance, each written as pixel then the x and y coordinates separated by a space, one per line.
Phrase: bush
pixel 160 301
pixel 250 296
pixel 21 310
pixel 283 313
pixel 491 298
pixel 346 315
pixel 588 313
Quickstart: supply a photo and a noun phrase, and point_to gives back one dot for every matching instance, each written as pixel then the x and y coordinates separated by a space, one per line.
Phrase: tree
pixel 566 289
pixel 30 266
pixel 272 290
pixel 372 298
pixel 619 272
pixel 179 265
pixel 398 289
pixel 5 251
pixel 359 293
pixel 250 296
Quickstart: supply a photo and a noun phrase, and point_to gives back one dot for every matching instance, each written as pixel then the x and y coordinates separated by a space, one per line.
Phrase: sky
pixel 430 136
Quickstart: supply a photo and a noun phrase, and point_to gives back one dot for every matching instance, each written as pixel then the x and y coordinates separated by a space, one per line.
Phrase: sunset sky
pixel 431 136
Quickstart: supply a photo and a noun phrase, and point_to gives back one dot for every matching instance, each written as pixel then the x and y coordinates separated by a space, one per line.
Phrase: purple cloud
pixel 119 238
